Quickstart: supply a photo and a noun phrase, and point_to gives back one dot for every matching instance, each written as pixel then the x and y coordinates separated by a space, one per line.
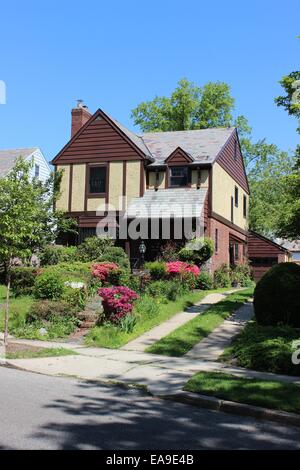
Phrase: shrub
pixel 48 286
pixel 277 296
pixel 241 274
pixel 23 279
pixel 165 290
pixel 117 302
pixel 92 248
pixel 75 297
pixel 198 250
pixel 55 254
pixel 170 251
pixel 115 254
pixel 71 272
pixel 128 323
pixel 204 281
pixel 103 270
pixel 265 348
pixel 157 269
pixel 222 276
pixel 180 267
pixel 47 310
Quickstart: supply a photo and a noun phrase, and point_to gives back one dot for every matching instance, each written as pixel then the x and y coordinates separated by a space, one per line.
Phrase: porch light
pixel 142 248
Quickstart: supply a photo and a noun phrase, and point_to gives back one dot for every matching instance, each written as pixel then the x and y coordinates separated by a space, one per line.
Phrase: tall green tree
pixel 188 107
pixel 27 221
pixel 289 223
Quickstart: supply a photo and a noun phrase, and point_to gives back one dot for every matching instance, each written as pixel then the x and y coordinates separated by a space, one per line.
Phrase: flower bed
pixel 180 267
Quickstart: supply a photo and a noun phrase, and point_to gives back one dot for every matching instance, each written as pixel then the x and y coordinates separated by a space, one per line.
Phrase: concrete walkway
pixel 210 348
pixel 144 341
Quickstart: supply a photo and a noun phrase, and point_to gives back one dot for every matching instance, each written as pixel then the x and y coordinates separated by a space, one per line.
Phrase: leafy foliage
pixel 277 296
pixel 93 248
pixel 204 281
pixel 48 286
pixel 198 250
pixel 22 280
pixel 157 269
pixel 222 276
pixel 55 254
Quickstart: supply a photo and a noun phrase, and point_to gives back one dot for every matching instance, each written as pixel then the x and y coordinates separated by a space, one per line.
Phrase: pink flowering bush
pixel 117 302
pixel 180 267
pixel 103 270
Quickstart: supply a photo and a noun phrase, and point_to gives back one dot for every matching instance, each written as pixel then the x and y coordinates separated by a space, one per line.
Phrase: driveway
pixel 43 412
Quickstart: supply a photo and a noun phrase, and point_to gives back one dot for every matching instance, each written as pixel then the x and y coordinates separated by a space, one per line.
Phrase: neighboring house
pixel 201 173
pixel 264 253
pixel 293 247
pixel 40 168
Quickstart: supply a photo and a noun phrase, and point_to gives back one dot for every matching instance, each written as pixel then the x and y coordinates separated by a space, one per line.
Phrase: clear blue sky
pixel 119 53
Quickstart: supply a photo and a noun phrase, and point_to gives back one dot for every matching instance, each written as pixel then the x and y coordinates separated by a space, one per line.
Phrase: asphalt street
pixel 43 412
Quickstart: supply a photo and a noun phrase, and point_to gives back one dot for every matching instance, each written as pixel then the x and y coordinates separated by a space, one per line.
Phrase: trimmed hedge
pixel 277 296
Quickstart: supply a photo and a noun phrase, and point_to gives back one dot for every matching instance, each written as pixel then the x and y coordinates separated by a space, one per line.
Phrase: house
pixel 113 178
pixel 40 168
pixel 264 253
pixel 293 247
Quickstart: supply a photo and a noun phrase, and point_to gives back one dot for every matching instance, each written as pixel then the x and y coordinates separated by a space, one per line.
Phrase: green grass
pixel 110 336
pixel 266 393
pixel 181 340
pixel 45 352
pixel 19 307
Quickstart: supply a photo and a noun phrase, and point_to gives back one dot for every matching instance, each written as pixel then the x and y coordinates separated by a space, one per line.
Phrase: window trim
pixel 37 166
pixel 216 240
pixel 96 195
pixel 232 209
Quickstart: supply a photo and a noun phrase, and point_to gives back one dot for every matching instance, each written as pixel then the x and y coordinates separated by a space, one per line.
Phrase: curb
pixel 231 407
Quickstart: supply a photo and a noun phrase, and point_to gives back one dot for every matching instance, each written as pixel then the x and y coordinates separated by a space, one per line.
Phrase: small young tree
pixel 27 219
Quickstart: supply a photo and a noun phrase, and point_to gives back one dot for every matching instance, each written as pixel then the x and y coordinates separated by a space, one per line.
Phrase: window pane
pixel 179 176
pixel 97 179
pixel 36 171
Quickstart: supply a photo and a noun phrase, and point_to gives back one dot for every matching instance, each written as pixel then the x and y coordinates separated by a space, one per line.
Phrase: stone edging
pixel 231 407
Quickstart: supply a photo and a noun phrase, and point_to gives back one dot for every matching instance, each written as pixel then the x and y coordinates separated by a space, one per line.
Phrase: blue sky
pixel 117 54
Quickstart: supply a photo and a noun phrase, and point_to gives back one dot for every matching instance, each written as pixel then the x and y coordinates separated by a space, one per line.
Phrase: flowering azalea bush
pixel 103 270
pixel 180 267
pixel 117 302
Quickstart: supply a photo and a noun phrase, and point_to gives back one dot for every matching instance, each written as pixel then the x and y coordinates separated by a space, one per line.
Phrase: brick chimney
pixel 80 115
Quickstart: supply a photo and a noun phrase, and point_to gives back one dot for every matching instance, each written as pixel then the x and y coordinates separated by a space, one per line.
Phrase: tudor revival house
pixel 201 170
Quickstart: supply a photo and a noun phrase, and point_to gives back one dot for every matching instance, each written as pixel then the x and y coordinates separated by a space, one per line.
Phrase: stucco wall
pixel 63 202
pixel 161 179
pixel 96 204
pixel 133 180
pixel 115 184
pixel 78 188
pixel 204 179
pixel 222 190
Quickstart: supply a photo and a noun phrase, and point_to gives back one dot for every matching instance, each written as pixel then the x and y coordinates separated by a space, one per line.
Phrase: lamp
pixel 142 250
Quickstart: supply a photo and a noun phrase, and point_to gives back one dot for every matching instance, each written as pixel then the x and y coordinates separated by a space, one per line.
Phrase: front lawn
pixel 111 336
pixel 18 351
pixel 19 307
pixel 181 340
pixel 264 348
pixel 266 393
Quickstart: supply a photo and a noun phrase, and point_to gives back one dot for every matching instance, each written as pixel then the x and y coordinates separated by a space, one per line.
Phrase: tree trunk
pixel 7 311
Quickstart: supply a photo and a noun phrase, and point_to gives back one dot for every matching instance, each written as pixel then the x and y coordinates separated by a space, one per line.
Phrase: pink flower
pixel 117 301
pixel 102 270
pixel 180 267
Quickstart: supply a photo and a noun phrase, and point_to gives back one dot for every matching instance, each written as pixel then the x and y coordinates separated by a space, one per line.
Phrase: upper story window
pixel 178 176
pixel 236 196
pixel 97 179
pixel 244 206
pixel 36 171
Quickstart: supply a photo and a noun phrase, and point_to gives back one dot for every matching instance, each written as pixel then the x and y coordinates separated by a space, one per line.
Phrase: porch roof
pixel 168 203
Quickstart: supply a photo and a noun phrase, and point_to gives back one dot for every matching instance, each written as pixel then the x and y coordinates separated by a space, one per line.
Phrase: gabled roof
pixel 268 240
pixel 202 145
pixel 179 151
pixel 9 157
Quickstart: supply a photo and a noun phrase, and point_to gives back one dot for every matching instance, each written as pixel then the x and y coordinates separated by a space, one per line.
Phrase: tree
pixel 27 221
pixel 289 225
pixel 188 107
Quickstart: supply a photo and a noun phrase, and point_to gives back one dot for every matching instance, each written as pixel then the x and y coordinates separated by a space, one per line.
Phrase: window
pixel 296 256
pixel 36 171
pixel 216 240
pixel 236 252
pixel 244 206
pixel 97 179
pixel 231 210
pixel 263 262
pixel 178 176
pixel 236 196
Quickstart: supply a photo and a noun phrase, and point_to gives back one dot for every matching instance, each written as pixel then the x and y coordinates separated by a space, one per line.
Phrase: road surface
pixel 43 412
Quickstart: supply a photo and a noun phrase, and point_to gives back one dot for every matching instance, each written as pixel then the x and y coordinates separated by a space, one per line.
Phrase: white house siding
pixel 38 159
